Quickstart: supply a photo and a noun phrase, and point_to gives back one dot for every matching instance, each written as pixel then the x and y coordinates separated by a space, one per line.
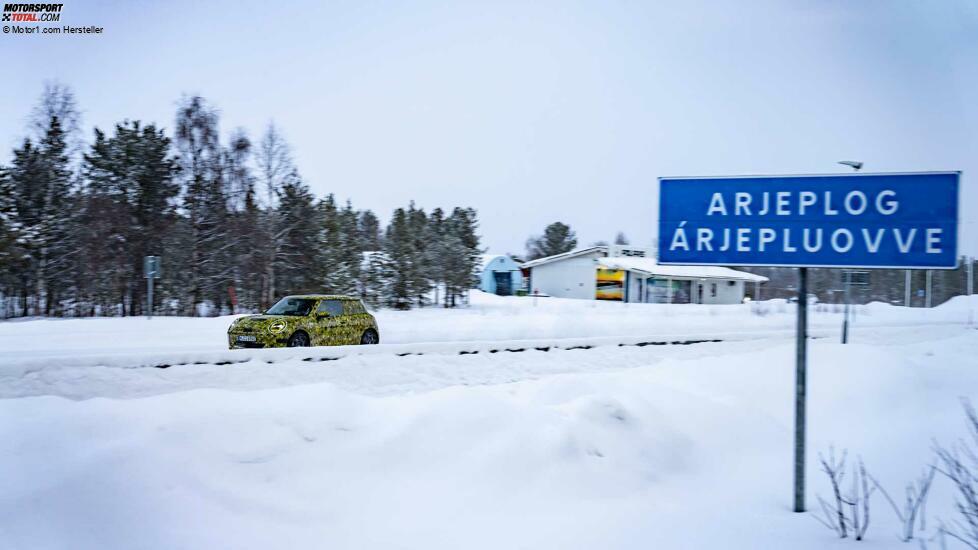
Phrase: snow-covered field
pixel 614 446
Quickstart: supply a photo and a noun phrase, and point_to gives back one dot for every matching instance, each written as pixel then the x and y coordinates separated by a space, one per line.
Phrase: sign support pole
pixel 151 270
pixel 149 297
pixel 800 379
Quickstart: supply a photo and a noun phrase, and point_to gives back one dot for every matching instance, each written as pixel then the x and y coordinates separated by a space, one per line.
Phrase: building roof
pixel 486 259
pixel 651 267
pixel 566 256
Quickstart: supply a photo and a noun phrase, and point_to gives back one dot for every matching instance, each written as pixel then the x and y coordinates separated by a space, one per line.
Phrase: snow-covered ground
pixel 607 447
pixel 490 318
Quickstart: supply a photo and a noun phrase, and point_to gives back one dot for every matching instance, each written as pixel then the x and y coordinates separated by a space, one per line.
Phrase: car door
pixel 357 317
pixel 331 323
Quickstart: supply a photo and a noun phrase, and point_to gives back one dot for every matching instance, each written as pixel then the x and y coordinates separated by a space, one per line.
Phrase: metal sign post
pixel 801 377
pixel 151 271
pixel 859 220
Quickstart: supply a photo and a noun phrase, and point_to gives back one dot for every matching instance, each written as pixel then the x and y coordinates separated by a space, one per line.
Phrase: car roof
pixel 323 296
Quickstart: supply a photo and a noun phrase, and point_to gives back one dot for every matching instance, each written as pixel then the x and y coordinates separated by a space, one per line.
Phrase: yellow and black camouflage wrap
pixel 332 320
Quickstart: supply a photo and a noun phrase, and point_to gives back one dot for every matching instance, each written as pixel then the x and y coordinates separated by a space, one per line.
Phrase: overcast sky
pixel 534 112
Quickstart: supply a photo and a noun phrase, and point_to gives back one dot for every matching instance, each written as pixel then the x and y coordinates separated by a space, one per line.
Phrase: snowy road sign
pixel 838 220
pixel 151 267
pixel 151 271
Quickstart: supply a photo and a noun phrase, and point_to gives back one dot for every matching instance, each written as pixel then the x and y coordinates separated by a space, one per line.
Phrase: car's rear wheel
pixel 299 340
pixel 370 336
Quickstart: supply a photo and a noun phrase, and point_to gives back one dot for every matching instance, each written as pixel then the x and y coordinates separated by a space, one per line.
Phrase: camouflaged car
pixel 307 320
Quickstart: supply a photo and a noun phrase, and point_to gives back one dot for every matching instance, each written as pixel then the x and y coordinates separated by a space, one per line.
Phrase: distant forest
pixel 236 226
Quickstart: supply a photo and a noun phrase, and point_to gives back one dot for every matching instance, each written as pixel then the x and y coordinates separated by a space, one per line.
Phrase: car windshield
pixel 297 307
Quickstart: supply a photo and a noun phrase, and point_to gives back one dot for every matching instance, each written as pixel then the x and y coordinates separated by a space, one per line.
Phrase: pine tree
pixel 376 278
pixel 298 238
pixel 350 254
pixel 463 261
pixel 40 181
pixel 369 231
pixel 11 259
pixel 26 202
pixel 557 238
pixel 437 253
pixel 106 270
pixel 399 249
pixel 421 274
pixel 333 276
pixel 58 217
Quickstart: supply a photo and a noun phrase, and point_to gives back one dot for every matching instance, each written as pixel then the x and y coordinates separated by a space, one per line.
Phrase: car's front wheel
pixel 299 340
pixel 370 336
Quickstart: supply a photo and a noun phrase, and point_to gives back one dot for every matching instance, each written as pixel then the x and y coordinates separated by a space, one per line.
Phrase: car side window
pixel 333 307
pixel 354 307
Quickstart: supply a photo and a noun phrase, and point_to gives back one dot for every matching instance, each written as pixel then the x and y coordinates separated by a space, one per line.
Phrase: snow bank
pixel 683 450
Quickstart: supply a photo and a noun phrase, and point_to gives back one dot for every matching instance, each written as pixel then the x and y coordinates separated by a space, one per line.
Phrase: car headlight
pixel 277 326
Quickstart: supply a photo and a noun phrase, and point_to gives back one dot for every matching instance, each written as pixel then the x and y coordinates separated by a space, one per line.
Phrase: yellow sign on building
pixel 610 284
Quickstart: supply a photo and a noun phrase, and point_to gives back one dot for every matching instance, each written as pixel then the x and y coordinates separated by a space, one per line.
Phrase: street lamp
pixel 847 274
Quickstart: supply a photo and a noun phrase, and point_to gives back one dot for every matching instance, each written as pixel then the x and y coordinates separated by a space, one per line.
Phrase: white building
pixel 631 274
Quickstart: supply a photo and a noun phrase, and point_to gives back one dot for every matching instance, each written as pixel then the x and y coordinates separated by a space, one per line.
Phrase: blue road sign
pixel 838 220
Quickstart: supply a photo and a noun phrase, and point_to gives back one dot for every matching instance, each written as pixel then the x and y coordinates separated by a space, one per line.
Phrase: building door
pixel 504 283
